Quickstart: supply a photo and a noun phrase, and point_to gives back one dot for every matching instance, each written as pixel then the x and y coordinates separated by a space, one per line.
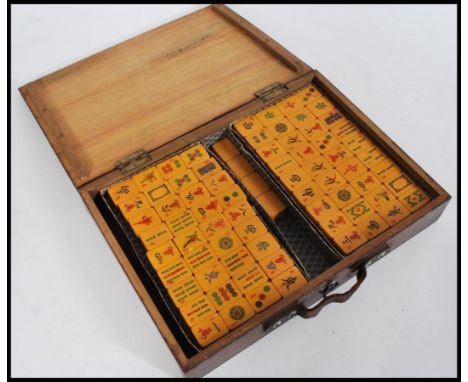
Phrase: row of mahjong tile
pixel 329 157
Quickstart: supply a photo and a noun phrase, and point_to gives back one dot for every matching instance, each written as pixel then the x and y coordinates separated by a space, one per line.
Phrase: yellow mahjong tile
pixel 211 276
pixel 206 168
pixel 305 153
pixel 225 149
pixel 260 137
pixel 281 127
pixel 246 125
pixel 155 236
pixel 230 196
pixel 174 273
pixel 184 291
pixel 206 209
pixel 271 151
pixel 295 179
pixel 240 166
pixel 185 221
pixel 238 213
pixel 292 141
pixel 313 130
pixel 236 312
pixel 379 196
pixel 400 184
pixel 194 194
pixel 385 170
pixel 365 182
pixel 393 212
pixel 372 225
pixel 337 154
pixel 215 226
pixel 122 191
pixel 371 156
pixel 289 106
pixel 197 310
pixel 209 330
pixel 334 120
pixel 276 263
pixel 414 198
pixel 263 246
pixel 262 297
pixel 218 182
pixel 308 94
pixel 272 204
pixel 255 184
pixel 269 116
pixel 189 240
pixel 236 260
pixel 330 180
pixel 225 243
pixel 133 205
pixel 357 210
pixel 343 195
pixel 320 106
pixel 249 277
pixel 250 229
pixel 163 255
pixel 357 143
pixel 182 180
pixel 194 155
pixel 171 167
pixel 346 132
pixel 351 168
pixel 306 194
pixel 350 240
pixel 302 119
pixel 281 165
pixel 325 142
pixel 147 178
pixel 289 281
pixel 143 220
pixel 200 258
pixel 158 192
pixel 223 294
pixel 321 207
pixel 335 223
pixel 168 207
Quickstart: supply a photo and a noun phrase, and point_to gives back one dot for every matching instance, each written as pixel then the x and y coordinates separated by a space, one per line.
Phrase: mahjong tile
pixel 350 240
pixel 206 209
pixel 250 229
pixel 240 166
pixel 209 330
pixel 393 212
pixel 237 259
pixel 386 170
pixel 344 195
pixel 174 272
pixel 225 243
pixel 317 166
pixel 276 263
pixel 197 310
pixel 304 153
pixel 163 255
pixel 372 225
pixel 200 258
pixel 133 205
pixel 155 236
pixel 271 151
pixel 194 194
pixel 249 277
pixel 351 168
pixel 182 222
pixel 308 94
pixel 212 276
pixel 289 106
pixel 365 183
pixel 334 120
pixel 306 194
pixel 246 125
pixel 324 142
pixel 272 204
pixel 414 198
pixel 157 192
pixel 329 181
pixel 184 291
pixel 260 137
pixel 182 180
pixel 194 155
pixel 206 168
pixel 291 141
pixel 143 220
pixel 225 149
pixel 302 118
pixel 371 156
pixel 171 167
pixel 236 312
pixel 313 129
pixel 295 179
pixel 281 165
pixel 400 184
pixel 255 184
pixel 289 281
pixel 262 297
pixel 346 132
pixel 218 182
pixel 215 226
pixel 281 127
pixel 223 294
pixel 147 178
pixel 230 196
pixel 320 106
pixel 337 154
pixel 335 223
pixel 357 143
pixel 189 240
pixel 168 207
pixel 122 191
pixel 263 246
pixel 238 213
pixel 321 207
pixel 357 210
pixel 269 116
pixel 379 196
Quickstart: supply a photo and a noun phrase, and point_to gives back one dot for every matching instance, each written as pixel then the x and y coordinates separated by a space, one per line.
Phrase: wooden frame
pixel 262 323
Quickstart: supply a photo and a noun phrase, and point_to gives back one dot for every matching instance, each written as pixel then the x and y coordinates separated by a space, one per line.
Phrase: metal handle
pixel 305 312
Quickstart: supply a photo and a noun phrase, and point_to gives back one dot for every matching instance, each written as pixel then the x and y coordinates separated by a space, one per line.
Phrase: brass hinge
pixel 133 161
pixel 271 91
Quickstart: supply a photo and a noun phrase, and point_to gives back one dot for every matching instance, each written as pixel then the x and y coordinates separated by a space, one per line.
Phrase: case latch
pixel 271 91
pixel 133 161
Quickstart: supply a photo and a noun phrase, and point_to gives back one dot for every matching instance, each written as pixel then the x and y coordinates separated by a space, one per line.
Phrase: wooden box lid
pixel 148 90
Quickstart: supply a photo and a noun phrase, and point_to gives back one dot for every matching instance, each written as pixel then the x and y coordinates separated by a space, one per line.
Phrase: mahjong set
pixel 235 184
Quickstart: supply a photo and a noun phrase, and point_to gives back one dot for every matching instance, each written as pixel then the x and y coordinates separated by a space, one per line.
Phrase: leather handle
pixel 305 312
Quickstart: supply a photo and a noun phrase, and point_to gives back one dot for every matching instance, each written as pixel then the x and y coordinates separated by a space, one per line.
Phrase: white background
pixel 74 312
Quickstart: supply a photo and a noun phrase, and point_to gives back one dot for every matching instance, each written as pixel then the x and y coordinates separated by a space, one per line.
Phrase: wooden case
pixel 141 100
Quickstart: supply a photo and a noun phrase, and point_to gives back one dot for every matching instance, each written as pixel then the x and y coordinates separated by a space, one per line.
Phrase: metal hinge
pixel 271 91
pixel 133 161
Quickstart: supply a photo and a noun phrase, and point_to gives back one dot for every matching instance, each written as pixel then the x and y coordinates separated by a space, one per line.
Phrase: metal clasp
pixel 133 161
pixel 271 91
